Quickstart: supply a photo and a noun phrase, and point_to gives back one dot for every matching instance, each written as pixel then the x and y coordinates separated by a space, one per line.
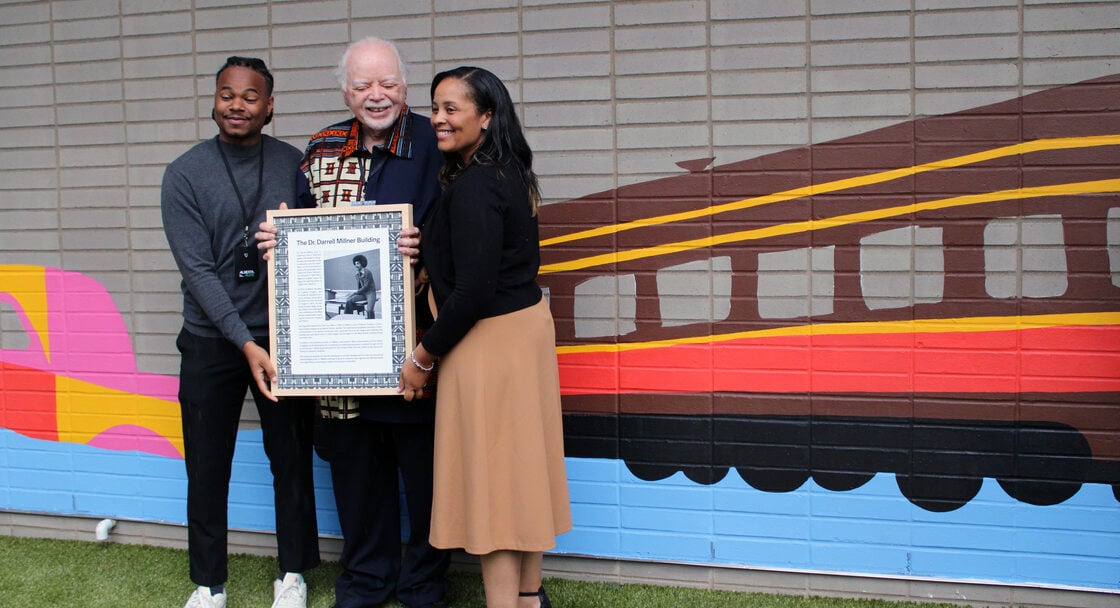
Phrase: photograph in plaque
pixel 340 300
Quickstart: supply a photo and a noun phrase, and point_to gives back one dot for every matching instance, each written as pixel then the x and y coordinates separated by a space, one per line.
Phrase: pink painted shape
pixel 89 340
pixel 124 437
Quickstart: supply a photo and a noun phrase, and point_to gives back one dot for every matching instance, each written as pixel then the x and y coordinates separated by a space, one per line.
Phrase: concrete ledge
pixel 585 568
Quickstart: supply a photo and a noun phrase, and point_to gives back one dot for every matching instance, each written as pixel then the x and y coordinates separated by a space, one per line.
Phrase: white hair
pixel 340 71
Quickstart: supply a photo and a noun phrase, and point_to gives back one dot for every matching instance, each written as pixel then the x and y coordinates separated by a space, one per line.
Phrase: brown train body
pixel 1005 218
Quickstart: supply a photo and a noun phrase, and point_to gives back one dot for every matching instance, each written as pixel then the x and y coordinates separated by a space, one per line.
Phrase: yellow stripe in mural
pixel 1039 145
pixel 958 325
pixel 86 410
pixel 28 285
pixel 1090 187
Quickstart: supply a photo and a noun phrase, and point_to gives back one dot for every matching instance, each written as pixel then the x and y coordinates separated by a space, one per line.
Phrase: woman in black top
pixel 500 485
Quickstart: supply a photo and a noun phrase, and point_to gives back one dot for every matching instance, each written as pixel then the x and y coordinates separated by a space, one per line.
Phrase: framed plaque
pixel 340 300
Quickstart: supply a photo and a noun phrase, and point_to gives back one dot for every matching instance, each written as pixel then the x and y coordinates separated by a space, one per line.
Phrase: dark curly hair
pixel 254 64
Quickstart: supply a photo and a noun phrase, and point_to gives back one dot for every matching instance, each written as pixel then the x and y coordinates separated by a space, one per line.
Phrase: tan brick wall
pixel 97 96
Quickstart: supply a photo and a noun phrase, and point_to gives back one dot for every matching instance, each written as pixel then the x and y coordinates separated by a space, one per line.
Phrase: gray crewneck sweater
pixel 204 224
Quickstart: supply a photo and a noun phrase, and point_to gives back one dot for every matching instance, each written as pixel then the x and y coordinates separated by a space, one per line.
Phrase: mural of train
pixel 938 300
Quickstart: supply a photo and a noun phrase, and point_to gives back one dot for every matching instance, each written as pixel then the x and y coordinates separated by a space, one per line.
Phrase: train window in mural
pixel 1025 257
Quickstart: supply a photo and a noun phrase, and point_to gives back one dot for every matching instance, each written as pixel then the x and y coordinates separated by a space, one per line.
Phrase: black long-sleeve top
pixel 482 252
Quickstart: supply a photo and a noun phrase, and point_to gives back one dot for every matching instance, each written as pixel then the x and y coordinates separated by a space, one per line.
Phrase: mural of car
pixel 73 376
pixel 938 300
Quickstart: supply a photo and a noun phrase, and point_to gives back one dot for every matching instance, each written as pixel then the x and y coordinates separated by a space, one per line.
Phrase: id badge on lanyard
pixel 248 261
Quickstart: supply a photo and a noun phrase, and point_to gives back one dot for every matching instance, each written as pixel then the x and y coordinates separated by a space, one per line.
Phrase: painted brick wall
pixel 97 96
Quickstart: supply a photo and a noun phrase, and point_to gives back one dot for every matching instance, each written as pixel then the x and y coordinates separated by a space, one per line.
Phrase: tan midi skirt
pixel 500 482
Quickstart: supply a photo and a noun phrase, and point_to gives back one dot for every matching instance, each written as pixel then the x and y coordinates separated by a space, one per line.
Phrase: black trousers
pixel 213 377
pixel 365 458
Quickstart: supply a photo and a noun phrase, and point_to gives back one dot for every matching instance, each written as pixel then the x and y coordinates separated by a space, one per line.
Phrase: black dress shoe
pixel 540 594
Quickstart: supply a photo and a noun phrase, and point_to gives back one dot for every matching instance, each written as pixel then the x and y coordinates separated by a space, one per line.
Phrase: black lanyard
pixel 247 212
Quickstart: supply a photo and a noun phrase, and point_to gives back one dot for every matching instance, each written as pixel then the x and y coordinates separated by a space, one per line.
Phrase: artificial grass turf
pixel 42 573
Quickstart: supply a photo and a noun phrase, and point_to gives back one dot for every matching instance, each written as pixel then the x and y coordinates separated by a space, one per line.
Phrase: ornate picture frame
pixel 340 300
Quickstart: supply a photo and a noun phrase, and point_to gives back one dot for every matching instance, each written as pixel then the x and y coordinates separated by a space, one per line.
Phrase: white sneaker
pixel 289 593
pixel 201 598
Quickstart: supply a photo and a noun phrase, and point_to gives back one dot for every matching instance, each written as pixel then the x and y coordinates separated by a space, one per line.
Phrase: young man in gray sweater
pixel 211 196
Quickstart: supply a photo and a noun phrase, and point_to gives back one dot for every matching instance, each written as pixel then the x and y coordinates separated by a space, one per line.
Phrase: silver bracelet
pixel 426 370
